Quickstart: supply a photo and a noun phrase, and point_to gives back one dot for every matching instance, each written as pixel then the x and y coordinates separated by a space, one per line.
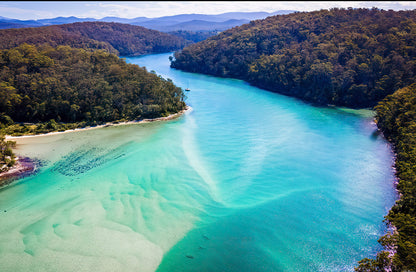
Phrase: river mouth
pixel 248 181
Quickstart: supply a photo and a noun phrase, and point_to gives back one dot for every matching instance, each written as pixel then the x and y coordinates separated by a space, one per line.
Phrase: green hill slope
pixel 345 57
pixel 118 38
pixel 70 85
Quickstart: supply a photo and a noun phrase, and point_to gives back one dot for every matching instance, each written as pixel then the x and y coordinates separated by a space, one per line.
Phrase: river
pixel 248 180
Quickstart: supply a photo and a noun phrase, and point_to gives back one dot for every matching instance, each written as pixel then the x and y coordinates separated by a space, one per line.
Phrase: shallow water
pixel 247 181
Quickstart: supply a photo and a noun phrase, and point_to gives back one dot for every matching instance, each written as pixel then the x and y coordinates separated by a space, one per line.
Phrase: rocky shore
pixel 23 167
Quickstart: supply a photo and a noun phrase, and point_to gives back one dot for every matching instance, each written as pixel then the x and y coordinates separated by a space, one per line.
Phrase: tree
pixel 7 157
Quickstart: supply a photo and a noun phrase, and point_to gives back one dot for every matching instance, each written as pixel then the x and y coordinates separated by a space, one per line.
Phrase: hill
pixel 5 24
pixel 119 38
pixel 345 57
pixel 63 84
pixel 175 24
pixel 161 21
pixel 203 26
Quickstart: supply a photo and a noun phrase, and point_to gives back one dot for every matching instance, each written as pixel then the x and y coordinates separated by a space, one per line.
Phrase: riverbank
pixel 170 117
pixel 25 166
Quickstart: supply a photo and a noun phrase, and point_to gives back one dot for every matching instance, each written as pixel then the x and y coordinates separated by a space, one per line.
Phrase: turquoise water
pixel 247 181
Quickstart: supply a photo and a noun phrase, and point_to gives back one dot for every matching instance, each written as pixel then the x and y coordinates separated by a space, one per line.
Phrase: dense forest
pixel 396 118
pixel 71 85
pixel 345 57
pixel 122 39
pixel 67 76
pixel 194 36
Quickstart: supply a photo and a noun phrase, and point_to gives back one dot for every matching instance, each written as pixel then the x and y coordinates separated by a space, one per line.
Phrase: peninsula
pixel 60 78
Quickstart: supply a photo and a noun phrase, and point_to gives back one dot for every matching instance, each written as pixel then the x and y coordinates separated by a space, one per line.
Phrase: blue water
pixel 248 180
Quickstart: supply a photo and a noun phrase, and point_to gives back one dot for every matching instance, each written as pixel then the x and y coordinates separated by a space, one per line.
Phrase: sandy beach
pixel 170 117
pixel 25 166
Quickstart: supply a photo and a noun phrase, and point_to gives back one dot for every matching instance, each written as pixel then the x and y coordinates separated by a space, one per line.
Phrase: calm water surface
pixel 247 181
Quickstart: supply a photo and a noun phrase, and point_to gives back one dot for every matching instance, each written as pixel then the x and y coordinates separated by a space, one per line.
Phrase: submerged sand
pixel 24 166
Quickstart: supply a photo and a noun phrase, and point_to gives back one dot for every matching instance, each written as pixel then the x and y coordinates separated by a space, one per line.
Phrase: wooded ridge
pixel 122 39
pixel 344 57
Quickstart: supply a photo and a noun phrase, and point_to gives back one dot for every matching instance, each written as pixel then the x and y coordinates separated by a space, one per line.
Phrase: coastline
pixel 170 117
pixel 25 166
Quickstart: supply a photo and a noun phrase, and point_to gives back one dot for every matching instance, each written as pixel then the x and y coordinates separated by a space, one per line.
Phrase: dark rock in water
pixel 376 133
pixel 189 256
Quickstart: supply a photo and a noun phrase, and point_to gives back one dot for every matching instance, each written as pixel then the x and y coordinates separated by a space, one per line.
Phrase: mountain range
pixel 186 22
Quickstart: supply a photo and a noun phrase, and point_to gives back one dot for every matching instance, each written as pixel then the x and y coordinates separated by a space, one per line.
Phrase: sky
pixel 28 10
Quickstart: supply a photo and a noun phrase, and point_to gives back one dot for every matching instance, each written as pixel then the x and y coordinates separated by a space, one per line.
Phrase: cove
pixel 248 180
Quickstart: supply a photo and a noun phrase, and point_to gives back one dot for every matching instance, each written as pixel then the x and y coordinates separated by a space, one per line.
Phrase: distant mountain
pixel 193 24
pixel 154 22
pixel 181 18
pixel 64 20
pixel 123 20
pixel 6 24
pixel 200 25
pixel 190 22
pixel 244 15
pixel 14 23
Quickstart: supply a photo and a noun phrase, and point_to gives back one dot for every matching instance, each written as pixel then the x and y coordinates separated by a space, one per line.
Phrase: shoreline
pixel 25 166
pixel 109 124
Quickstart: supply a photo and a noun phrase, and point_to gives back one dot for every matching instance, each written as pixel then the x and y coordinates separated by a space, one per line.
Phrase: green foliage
pixel 115 38
pixel 194 36
pixel 378 265
pixel 7 158
pixel 396 117
pixel 127 39
pixel 46 85
pixel 346 57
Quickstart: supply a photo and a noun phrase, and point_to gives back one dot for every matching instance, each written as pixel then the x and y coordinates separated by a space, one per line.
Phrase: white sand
pixel 170 117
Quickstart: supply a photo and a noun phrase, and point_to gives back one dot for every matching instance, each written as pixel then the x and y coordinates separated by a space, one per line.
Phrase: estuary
pixel 248 180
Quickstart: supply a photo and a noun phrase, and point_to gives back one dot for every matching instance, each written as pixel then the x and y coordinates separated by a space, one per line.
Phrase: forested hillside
pixel 396 117
pixel 346 57
pixel 194 36
pixel 118 38
pixel 127 39
pixel 64 84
